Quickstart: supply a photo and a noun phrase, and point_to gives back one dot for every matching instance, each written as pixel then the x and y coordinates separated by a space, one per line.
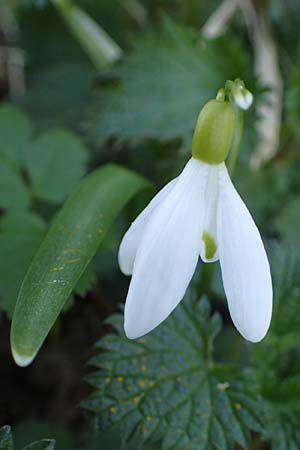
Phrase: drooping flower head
pixel 199 213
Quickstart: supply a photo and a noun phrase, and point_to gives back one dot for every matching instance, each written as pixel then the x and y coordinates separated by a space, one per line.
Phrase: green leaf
pixel 85 282
pixel 292 101
pixel 45 444
pixel 65 253
pixel 15 132
pixel 283 431
pixel 49 167
pixel 59 93
pixel 287 222
pixel 14 194
pixel 278 356
pixel 6 441
pixel 166 385
pixel 20 236
pixel 164 83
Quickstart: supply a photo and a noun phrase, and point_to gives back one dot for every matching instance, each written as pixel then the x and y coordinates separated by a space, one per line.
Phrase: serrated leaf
pixel 20 236
pixel 59 93
pixel 167 386
pixel 85 282
pixel 278 356
pixel 283 431
pixel 15 132
pixel 45 444
pixel 163 84
pixel 65 253
pixel 55 163
pixel 6 441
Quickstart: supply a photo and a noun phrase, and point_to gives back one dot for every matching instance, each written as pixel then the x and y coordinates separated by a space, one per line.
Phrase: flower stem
pixel 97 44
pixel 238 132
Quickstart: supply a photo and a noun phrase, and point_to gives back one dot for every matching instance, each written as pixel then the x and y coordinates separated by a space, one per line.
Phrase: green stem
pixel 98 45
pixel 237 137
pixel 136 10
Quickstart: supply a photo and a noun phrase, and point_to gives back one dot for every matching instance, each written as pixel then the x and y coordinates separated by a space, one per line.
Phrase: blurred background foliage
pixel 60 117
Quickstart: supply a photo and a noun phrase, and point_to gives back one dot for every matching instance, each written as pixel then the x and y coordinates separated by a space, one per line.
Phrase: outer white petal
pixel 168 254
pixel 132 238
pixel 244 264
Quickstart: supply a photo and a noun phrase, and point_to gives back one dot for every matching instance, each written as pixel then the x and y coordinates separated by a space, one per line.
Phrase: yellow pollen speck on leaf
pixel 112 410
pixel 107 380
pixel 136 400
pixel 237 406
pixel 148 418
pixel 56 269
pixel 210 245
pixel 143 369
pixel 120 379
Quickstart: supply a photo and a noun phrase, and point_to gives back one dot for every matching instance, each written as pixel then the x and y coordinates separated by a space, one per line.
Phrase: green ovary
pixel 210 245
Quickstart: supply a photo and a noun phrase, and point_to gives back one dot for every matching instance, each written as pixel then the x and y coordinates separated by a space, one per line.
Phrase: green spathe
pixel 214 132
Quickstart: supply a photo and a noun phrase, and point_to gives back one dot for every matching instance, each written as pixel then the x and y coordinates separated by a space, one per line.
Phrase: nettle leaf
pixel 6 441
pixel 59 93
pixel 48 164
pixel 278 356
pixel 167 386
pixel 20 236
pixel 284 432
pixel 163 83
pixel 285 265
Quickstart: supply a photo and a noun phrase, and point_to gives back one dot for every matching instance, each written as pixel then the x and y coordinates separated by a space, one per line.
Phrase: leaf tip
pixel 22 360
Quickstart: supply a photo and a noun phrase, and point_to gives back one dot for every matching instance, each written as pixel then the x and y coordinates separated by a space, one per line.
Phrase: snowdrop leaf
pixel 6 441
pixel 167 386
pixel 64 254
pixel 45 444
pixel 48 164
pixel 163 83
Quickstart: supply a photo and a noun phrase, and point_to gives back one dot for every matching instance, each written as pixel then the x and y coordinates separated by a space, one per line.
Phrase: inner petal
pixel 209 243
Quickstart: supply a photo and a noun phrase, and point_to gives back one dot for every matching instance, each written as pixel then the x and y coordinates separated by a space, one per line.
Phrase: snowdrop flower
pixel 199 213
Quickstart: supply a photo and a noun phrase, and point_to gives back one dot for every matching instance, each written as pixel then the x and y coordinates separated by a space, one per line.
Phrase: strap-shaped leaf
pixel 44 444
pixel 65 253
pixel 6 440
pixel 167 386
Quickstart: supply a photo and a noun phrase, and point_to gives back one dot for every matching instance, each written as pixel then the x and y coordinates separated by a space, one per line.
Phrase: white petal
pixel 244 264
pixel 168 254
pixel 209 242
pixel 132 238
pixel 244 99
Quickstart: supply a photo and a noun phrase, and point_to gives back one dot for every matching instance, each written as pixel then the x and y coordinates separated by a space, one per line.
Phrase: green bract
pixel 214 132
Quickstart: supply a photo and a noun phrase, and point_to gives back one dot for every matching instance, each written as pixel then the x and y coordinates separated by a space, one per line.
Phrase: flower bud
pixel 214 132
